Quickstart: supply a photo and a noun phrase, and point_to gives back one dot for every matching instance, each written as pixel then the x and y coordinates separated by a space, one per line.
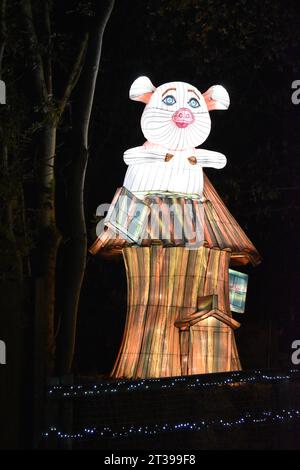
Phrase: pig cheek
pixel 154 124
pixel 201 128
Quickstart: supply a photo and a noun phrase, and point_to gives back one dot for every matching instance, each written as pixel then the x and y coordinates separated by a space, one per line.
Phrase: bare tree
pixel 51 110
pixel 75 238
pixel 84 70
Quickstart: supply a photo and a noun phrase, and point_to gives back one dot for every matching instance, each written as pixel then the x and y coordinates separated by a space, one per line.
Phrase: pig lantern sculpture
pixel 180 295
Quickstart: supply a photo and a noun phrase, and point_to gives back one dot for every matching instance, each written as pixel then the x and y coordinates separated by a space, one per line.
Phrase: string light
pixel 265 417
pixel 186 382
pixel 94 390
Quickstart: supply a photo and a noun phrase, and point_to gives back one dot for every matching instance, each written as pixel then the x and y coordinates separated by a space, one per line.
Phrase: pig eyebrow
pixel 195 93
pixel 168 90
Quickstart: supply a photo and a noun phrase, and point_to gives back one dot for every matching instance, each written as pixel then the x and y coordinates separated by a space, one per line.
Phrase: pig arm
pixel 142 155
pixel 209 158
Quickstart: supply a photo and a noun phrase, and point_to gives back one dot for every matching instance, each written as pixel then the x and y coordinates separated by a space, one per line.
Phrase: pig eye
pixel 194 103
pixel 169 100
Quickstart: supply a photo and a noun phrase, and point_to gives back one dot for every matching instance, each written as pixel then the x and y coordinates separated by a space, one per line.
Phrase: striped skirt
pixel 176 220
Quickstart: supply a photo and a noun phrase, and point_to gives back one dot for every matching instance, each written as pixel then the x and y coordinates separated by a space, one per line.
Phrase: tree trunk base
pixel 178 316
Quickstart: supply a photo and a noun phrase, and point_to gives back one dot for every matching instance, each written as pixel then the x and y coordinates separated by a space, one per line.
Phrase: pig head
pixel 176 114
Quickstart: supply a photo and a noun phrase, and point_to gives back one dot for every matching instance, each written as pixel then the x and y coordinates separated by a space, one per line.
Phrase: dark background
pixel 252 49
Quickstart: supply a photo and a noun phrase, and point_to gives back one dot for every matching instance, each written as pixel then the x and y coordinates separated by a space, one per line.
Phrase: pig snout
pixel 183 117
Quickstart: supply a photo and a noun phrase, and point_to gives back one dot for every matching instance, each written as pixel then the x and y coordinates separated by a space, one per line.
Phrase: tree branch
pixel 48 65
pixel 91 67
pixel 74 75
pixel 38 70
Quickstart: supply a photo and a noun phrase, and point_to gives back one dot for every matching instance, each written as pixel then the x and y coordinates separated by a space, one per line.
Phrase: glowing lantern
pixel 177 239
pixel 237 290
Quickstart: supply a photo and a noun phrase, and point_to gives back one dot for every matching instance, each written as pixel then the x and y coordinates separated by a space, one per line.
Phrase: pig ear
pixel 216 97
pixel 141 90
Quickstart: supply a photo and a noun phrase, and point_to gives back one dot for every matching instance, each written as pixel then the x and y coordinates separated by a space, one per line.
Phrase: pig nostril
pixel 183 117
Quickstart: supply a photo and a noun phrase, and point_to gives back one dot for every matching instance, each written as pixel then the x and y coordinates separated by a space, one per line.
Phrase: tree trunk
pixel 49 238
pixel 45 278
pixel 74 230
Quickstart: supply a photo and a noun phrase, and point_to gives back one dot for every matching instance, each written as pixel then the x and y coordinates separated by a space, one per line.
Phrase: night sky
pixel 251 49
